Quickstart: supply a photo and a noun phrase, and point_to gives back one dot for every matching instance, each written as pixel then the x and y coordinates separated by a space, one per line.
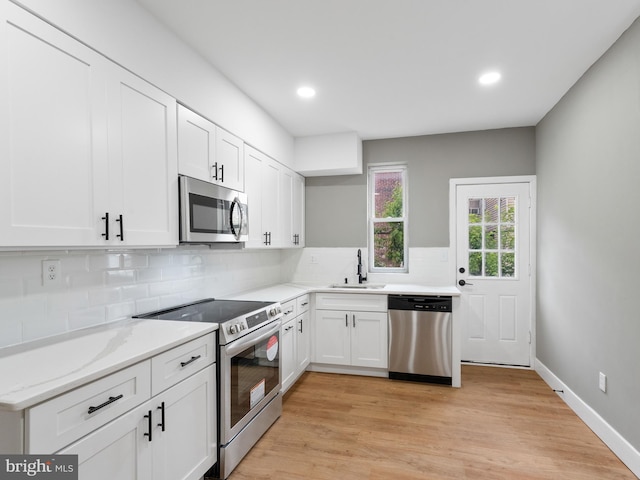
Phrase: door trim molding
pixel 531 181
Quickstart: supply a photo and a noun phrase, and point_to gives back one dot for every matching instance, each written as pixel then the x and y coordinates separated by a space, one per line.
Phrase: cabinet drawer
pixel 288 310
pixel 175 365
pixel 63 419
pixel 302 303
pixel 360 302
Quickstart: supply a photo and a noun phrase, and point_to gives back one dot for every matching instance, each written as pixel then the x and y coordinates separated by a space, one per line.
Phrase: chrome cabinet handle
pixel 102 405
pixel 354 321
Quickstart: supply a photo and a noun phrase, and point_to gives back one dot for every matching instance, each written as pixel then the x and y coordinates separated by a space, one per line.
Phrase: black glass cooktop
pixel 209 310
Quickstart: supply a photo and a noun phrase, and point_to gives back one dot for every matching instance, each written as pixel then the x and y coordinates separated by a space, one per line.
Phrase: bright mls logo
pixel 51 467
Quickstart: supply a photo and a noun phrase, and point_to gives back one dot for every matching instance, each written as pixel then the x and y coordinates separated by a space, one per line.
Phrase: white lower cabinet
pixel 169 437
pixel 295 338
pixel 155 420
pixel 351 337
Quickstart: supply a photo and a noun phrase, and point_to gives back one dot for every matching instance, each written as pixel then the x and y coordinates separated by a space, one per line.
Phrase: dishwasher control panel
pixel 432 303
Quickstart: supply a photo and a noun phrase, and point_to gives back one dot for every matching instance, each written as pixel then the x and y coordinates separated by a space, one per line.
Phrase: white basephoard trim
pixel 616 442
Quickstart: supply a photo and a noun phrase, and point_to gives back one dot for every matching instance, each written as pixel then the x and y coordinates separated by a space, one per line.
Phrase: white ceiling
pixel 393 68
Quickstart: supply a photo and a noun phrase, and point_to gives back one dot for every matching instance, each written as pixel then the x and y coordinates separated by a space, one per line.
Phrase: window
pixel 492 237
pixel 387 219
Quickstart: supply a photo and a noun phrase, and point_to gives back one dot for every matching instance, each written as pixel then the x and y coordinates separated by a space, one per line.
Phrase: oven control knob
pixel 232 329
pixel 242 326
pixel 272 312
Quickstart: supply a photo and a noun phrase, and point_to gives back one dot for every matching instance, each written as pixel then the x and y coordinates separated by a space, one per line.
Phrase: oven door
pixel 249 377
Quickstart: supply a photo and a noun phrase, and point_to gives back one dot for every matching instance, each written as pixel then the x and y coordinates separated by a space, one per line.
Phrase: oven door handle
pixel 248 341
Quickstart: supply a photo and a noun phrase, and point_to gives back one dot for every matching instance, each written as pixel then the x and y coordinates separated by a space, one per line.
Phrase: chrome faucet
pixel 361 278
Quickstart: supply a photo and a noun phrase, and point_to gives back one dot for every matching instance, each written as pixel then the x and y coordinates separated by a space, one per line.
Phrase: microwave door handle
pixel 237 231
pixel 239 345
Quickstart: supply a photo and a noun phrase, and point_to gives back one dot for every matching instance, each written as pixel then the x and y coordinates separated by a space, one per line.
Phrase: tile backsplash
pixel 103 286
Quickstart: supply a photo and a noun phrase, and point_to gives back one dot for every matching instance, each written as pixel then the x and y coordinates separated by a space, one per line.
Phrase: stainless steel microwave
pixel 210 213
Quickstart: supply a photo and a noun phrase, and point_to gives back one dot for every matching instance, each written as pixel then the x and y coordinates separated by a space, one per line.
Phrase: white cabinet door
pixel 287 354
pixel 298 210
pixel 186 448
pixel 196 145
pixel 53 176
pixel 262 186
pixel 121 449
pixel 135 446
pixel 228 167
pixel 286 208
pixel 143 162
pixel 87 149
pixel 332 337
pixel 303 342
pixel 369 339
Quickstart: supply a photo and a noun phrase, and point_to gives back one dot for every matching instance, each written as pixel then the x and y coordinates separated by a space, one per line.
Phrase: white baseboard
pixel 616 442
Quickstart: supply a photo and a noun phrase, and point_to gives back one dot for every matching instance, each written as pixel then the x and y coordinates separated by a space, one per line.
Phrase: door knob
pixel 461 270
pixel 462 283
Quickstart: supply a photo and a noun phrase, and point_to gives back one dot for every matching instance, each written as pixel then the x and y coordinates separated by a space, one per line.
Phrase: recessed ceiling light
pixel 306 92
pixel 489 78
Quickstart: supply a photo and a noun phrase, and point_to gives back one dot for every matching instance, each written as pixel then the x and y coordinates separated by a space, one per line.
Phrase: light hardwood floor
pixel 502 424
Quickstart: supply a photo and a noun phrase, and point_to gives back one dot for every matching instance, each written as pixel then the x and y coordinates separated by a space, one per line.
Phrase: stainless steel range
pixel 248 399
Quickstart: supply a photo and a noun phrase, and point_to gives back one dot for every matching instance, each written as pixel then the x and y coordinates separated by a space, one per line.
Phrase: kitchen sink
pixel 363 286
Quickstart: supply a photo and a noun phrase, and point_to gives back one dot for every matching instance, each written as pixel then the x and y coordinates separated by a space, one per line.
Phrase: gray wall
pixel 336 207
pixel 588 167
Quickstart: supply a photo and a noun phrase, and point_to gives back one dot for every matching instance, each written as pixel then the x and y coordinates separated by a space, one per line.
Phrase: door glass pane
pixel 475 264
pixel 491 206
pixel 491 267
pixel 492 237
pixel 508 265
pixel 475 237
pixel 475 210
pixel 507 237
pixel 508 210
pixel 388 238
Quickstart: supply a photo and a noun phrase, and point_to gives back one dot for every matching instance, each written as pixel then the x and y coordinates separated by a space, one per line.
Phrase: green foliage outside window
pixel 389 236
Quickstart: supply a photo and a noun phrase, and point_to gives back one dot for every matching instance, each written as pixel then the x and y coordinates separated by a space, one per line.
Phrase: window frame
pixel 401 168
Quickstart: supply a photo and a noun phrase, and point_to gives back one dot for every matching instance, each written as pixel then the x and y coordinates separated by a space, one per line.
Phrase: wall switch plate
pixel 51 274
pixel 602 382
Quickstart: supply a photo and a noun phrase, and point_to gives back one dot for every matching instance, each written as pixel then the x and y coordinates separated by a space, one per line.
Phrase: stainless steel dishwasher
pixel 420 338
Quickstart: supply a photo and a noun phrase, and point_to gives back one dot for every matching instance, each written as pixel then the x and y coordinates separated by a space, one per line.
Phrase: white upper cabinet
pixel 53 153
pixel 196 144
pixel 228 167
pixel 263 185
pixel 297 212
pixel 208 152
pixel 87 150
pixel 143 165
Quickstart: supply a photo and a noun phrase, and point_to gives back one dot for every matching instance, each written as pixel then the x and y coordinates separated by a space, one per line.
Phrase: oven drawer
pixel 62 420
pixel 175 365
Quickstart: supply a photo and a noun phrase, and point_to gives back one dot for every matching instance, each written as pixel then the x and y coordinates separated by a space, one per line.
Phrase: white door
pixel 493 269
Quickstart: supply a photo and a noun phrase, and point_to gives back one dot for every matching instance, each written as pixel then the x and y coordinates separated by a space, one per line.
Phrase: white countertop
pixel 33 373
pixel 287 291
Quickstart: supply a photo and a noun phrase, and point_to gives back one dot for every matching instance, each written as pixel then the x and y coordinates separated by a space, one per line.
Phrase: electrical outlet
pixel 602 382
pixel 51 274
pixel 314 259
